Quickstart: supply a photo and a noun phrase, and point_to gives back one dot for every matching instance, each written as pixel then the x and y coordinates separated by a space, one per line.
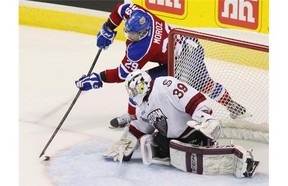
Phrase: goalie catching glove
pixel 89 82
pixel 122 149
pixel 210 128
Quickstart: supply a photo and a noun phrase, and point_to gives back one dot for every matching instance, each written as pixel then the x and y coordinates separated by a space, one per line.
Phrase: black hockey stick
pixel 71 106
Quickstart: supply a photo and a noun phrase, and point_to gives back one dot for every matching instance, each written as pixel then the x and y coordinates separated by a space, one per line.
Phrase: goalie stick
pixel 69 109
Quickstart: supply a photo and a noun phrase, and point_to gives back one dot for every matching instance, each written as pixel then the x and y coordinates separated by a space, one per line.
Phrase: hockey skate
pixel 251 167
pixel 121 121
pixel 237 111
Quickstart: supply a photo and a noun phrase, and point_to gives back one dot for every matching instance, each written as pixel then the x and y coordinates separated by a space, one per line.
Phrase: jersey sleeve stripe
pixel 137 133
pixel 122 9
pixel 123 72
pixel 194 102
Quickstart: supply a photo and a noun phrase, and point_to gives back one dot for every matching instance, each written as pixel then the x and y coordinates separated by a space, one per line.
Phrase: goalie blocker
pixel 212 160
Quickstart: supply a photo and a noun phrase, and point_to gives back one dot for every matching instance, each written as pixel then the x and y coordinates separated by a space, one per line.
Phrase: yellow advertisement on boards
pixel 175 9
pixel 252 15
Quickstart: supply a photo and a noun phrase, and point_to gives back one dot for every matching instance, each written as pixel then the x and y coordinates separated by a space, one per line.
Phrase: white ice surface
pixel 49 63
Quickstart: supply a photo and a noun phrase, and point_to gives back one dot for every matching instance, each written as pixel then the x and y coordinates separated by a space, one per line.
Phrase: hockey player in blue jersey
pixel 147 41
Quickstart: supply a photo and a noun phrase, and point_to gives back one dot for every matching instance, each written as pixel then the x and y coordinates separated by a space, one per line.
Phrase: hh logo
pixel 240 13
pixel 176 7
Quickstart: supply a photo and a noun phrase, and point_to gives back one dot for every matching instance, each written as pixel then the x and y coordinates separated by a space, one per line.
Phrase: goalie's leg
pixel 212 160
pixel 151 152
pixel 156 148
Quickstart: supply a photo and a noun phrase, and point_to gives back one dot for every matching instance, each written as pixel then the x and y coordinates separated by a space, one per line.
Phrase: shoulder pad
pixel 137 50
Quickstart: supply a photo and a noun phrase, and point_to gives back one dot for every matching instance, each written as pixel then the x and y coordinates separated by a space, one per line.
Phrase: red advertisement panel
pixel 241 13
pixel 176 7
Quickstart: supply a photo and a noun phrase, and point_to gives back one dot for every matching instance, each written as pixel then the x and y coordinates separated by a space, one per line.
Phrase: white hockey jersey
pixel 170 105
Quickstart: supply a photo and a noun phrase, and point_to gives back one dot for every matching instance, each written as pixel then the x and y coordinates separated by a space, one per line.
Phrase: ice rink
pixel 49 63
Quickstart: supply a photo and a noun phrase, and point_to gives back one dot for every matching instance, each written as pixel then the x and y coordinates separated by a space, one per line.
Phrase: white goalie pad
pixel 212 160
pixel 146 149
pixel 123 148
pixel 148 152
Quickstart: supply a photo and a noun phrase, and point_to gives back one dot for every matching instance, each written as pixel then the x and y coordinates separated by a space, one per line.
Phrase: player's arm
pixel 117 75
pixel 132 60
pixel 106 35
pixel 95 80
pixel 111 76
pixel 117 15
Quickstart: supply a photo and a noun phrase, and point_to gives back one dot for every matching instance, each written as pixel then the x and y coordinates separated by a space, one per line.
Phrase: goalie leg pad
pixel 122 149
pixel 212 160
pixel 148 151
pixel 245 166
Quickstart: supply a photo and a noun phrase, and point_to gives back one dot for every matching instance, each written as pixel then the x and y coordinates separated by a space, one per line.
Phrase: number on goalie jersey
pixel 170 105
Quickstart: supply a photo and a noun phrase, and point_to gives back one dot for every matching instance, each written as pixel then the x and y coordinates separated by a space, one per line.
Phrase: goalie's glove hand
pixel 89 82
pixel 105 37
pixel 210 128
pixel 123 148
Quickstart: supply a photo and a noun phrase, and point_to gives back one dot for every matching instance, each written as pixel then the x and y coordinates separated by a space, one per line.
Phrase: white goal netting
pixel 233 73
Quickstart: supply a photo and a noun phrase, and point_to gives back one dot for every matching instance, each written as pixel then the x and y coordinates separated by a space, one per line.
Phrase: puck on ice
pixel 46 158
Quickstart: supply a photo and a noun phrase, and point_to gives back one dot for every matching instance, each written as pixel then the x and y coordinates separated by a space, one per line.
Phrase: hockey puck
pixel 46 158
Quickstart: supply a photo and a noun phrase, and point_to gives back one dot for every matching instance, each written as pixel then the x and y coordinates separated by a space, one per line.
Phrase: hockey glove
pixel 89 82
pixel 105 37
pixel 123 148
pixel 210 128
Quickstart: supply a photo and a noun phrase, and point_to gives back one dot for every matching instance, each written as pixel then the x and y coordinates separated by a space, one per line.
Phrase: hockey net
pixel 211 64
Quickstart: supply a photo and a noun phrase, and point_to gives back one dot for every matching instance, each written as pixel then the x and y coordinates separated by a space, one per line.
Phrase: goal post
pixel 224 68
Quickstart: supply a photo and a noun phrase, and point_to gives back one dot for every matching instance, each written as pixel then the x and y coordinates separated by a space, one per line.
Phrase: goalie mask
pixel 138 85
pixel 137 26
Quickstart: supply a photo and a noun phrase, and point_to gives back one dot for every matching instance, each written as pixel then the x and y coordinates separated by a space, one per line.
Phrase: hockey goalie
pixel 175 126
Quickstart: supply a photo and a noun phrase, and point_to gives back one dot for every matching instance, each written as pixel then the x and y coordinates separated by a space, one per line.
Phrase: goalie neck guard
pixel 138 85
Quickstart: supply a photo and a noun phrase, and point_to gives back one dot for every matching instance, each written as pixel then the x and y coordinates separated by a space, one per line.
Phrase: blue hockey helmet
pixel 138 25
